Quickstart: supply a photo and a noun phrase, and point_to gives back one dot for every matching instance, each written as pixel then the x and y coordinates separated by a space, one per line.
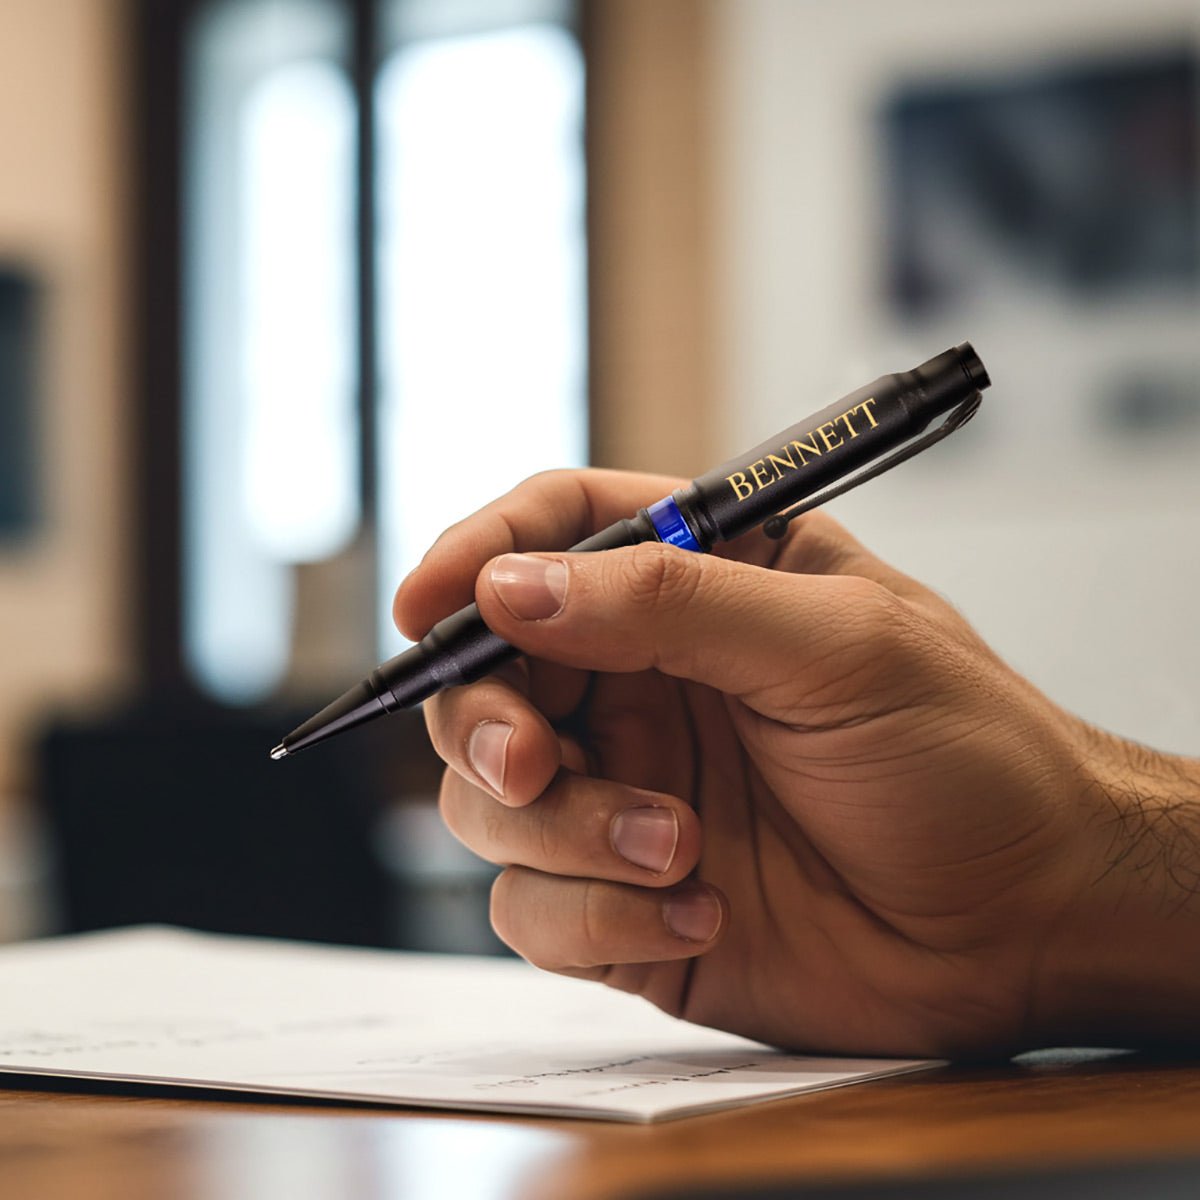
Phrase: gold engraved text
pixel 825 439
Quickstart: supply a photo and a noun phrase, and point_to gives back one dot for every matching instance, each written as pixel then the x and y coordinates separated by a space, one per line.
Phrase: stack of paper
pixel 173 1007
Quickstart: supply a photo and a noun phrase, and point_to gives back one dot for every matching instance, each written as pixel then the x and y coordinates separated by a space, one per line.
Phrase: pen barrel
pixel 826 447
pixel 620 533
pixel 461 648
pixel 730 500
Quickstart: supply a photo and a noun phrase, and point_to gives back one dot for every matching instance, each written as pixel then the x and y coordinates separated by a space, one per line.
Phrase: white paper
pixel 175 1007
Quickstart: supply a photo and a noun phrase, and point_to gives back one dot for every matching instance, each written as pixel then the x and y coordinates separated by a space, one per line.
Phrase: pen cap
pixel 947 379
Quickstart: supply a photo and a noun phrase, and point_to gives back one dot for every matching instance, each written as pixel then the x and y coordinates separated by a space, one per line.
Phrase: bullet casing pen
pixel 813 457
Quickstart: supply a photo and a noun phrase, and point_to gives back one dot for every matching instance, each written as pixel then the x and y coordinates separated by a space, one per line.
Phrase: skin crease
pixel 913 850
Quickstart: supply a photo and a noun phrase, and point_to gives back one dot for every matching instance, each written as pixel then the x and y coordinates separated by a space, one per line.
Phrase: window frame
pixel 159 33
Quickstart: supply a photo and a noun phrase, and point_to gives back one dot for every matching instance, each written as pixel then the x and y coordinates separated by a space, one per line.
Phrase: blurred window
pixel 301 460
pixel 477 180
pixel 481 269
pixel 270 445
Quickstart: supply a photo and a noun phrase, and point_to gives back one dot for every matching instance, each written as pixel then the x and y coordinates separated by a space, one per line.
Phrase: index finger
pixel 550 511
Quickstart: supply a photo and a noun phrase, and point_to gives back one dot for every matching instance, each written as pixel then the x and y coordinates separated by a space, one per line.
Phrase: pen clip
pixel 776 526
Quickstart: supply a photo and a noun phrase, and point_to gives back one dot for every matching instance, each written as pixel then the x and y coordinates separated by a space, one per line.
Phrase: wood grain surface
pixel 60 1139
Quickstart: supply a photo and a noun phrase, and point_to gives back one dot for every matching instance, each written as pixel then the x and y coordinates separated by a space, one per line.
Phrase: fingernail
pixel 532 589
pixel 646 837
pixel 487 752
pixel 694 915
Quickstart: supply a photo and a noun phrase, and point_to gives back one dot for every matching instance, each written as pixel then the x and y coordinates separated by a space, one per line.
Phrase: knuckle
pixel 550 478
pixel 662 578
pixel 890 628
pixel 500 908
pixel 548 843
pixel 458 812
pixel 494 833
pixel 874 609
pixel 545 486
pixel 532 834
pixel 861 592
pixel 821 544
pixel 475 819
pixel 448 806
pixel 448 536
pixel 435 722
pixel 590 941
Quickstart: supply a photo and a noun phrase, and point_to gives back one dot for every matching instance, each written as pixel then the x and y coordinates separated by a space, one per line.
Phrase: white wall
pixel 63 612
pixel 1077 558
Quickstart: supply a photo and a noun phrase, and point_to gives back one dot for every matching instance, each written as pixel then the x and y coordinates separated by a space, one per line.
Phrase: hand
pixel 785 791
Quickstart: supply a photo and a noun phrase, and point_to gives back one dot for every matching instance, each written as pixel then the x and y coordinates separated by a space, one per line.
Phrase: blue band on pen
pixel 672 528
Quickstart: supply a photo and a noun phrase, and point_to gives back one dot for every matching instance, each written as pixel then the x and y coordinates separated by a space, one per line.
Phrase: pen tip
pixel 279 752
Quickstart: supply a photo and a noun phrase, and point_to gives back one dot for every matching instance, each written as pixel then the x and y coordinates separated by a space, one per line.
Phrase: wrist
pixel 1122 965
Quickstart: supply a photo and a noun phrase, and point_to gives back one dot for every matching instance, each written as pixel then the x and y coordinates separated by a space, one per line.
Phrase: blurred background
pixel 287 286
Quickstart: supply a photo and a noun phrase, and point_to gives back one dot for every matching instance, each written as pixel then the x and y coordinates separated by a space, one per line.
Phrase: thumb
pixel 739 628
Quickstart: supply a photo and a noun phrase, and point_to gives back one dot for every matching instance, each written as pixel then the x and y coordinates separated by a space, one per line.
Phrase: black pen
pixel 795 471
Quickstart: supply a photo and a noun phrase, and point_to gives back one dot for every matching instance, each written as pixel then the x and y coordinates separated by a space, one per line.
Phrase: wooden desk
pixel 67 1142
